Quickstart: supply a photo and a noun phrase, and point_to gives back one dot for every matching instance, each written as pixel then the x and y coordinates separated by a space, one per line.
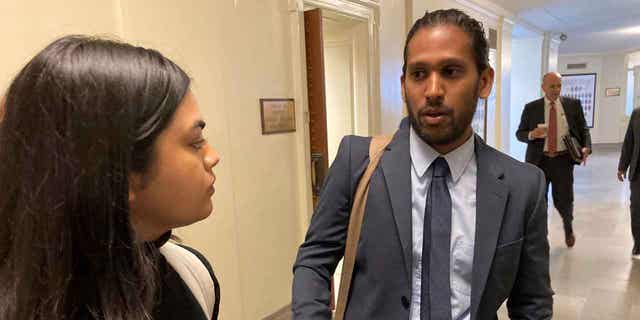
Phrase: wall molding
pixel 351 8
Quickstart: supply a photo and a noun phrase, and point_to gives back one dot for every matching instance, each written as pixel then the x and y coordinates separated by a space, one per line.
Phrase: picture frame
pixel 277 115
pixel 582 86
pixel 610 92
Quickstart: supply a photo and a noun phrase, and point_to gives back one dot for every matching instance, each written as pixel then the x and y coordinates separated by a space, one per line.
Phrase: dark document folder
pixel 574 147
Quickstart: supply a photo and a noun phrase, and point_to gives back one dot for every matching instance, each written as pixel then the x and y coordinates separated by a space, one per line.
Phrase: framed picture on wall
pixel 610 92
pixel 277 115
pixel 582 87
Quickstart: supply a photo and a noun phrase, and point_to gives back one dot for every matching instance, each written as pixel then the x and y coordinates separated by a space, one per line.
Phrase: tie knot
pixel 440 168
pixel 553 104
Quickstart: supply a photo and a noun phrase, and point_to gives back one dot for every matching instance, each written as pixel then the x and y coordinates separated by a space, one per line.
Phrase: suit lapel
pixel 539 118
pixel 396 166
pixel 569 117
pixel 491 197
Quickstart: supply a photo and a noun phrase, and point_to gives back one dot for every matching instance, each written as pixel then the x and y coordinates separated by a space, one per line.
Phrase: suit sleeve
pixel 531 297
pixel 582 126
pixel 627 146
pixel 523 129
pixel 324 243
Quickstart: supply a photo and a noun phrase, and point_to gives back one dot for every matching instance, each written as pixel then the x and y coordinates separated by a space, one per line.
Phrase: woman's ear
pixel 135 185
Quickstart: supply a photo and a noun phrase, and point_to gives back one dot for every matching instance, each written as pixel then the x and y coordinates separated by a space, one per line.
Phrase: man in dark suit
pixel 543 124
pixel 452 227
pixel 629 158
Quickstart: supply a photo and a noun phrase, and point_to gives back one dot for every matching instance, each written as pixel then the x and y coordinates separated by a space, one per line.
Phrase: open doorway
pixel 346 77
pixel 337 64
pixel 337 53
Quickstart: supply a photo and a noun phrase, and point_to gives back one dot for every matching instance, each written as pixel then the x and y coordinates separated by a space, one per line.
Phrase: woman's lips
pixel 212 189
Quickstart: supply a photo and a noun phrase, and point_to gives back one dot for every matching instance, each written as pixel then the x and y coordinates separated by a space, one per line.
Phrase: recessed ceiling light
pixel 630 30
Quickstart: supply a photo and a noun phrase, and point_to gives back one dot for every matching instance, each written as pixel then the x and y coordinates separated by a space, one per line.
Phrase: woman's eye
pixel 199 144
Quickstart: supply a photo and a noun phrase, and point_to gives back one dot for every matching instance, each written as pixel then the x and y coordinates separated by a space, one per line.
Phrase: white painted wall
pixel 392 35
pixel 610 120
pixel 346 79
pixel 503 82
pixel 525 85
pixel 361 81
pixel 338 68
pixel 550 51
pixel 636 88
pixel 634 59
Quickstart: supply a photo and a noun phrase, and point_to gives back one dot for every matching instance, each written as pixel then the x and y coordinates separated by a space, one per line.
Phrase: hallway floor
pixel 596 279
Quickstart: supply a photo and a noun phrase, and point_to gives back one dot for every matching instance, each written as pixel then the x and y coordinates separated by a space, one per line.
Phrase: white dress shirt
pixel 462 187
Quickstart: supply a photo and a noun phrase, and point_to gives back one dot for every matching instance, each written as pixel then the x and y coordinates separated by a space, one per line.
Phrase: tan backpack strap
pixel 376 150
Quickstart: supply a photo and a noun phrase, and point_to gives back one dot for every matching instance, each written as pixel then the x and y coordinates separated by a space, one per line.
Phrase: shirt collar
pixel 164 238
pixel 547 102
pixel 422 155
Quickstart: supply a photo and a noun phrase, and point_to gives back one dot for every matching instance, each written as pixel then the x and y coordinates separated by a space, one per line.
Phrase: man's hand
pixel 621 176
pixel 539 133
pixel 585 155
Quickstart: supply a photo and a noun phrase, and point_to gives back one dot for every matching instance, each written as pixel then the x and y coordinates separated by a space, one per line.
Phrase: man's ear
pixel 404 97
pixel 486 82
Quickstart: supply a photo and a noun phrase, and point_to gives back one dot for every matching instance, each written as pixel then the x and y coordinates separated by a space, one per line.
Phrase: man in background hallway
pixel 629 158
pixel 543 124
pixel 452 227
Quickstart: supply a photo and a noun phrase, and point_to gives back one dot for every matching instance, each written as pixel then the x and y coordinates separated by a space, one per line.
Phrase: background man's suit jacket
pixel 631 146
pixel 511 258
pixel 533 115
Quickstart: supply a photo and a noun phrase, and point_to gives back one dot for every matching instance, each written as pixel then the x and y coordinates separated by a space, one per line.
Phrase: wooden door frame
pixel 365 10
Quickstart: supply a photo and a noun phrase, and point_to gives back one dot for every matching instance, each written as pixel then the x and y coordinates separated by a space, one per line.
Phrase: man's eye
pixel 418 74
pixel 452 72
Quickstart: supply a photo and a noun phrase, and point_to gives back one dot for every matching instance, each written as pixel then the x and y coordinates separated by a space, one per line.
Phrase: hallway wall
pixel 392 34
pixel 28 26
pixel 236 53
pixel 346 79
pixel 610 121
pixel 525 86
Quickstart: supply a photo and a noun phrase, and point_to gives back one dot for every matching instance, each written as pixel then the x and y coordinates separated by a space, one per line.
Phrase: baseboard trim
pixel 282 314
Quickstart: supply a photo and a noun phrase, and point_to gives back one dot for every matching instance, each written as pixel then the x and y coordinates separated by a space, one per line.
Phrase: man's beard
pixel 454 130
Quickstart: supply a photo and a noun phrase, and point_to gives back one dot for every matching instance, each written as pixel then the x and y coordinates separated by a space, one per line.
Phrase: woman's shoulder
pixel 200 257
pixel 192 271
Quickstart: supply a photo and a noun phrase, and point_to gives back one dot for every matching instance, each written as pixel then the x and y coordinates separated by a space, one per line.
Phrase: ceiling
pixel 591 26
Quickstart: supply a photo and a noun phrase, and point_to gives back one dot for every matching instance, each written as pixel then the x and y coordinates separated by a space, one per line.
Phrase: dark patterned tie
pixel 436 289
pixel 552 134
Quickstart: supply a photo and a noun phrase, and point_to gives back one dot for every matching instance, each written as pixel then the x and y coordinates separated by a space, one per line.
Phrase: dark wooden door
pixel 317 99
pixel 317 104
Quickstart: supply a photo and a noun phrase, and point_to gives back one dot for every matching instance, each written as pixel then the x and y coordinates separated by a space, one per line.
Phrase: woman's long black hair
pixel 79 117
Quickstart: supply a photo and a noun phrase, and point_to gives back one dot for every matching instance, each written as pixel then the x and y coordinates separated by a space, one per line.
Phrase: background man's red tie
pixel 552 129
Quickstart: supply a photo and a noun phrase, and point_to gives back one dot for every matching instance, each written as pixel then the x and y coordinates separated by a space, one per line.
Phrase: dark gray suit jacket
pixel 631 146
pixel 533 114
pixel 511 259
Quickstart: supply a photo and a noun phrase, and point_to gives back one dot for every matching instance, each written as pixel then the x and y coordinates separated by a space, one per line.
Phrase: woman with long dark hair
pixel 102 154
